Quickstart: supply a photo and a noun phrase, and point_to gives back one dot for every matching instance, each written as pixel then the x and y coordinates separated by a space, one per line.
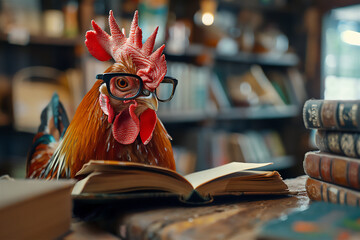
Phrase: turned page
pixel 198 178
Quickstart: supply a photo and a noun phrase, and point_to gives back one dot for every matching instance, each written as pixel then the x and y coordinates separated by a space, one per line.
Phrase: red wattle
pixel 126 126
pixel 147 125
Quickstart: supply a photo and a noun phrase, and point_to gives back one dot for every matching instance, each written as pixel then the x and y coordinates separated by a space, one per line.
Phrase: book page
pixel 201 177
pixel 246 182
pixel 118 176
pixel 115 166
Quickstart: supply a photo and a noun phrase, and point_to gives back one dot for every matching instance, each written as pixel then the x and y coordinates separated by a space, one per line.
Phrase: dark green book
pixel 332 114
pixel 338 142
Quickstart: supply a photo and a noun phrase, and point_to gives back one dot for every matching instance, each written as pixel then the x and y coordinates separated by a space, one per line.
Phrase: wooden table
pixel 232 218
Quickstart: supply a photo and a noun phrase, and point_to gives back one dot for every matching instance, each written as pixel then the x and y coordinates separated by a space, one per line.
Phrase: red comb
pixel 151 66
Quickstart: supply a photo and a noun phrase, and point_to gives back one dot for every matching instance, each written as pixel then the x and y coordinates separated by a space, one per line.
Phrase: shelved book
pixel 249 146
pixel 192 94
pixel 109 177
pixel 262 91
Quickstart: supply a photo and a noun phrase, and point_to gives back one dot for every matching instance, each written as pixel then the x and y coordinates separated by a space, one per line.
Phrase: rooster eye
pixel 124 86
pixel 122 83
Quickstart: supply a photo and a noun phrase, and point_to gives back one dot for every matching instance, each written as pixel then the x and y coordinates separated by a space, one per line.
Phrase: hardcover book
pixel 126 177
pixel 332 114
pixel 327 192
pixel 338 142
pixel 35 209
pixel 332 168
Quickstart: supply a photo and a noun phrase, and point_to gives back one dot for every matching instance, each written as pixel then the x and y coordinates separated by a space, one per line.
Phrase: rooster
pixel 116 120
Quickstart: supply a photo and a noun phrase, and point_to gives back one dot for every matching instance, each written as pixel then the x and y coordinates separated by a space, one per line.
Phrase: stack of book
pixel 333 170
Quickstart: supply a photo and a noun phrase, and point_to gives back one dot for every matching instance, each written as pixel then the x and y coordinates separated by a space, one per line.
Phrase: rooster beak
pixel 149 101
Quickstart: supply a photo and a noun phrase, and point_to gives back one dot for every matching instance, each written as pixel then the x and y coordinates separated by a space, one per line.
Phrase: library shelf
pixel 288 59
pixel 235 113
pixel 259 112
pixel 269 59
pixel 41 40
pixel 185 116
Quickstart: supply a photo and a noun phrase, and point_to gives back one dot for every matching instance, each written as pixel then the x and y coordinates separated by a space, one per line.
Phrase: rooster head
pixel 127 95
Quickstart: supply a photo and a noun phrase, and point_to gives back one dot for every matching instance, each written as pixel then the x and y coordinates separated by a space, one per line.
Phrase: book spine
pixel 333 169
pixel 331 114
pixel 326 192
pixel 343 143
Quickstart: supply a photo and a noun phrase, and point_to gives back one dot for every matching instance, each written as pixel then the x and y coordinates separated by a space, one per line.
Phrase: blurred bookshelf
pixel 236 113
pixel 41 40
pixel 260 112
pixel 285 60
pixel 205 101
pixel 280 163
pixel 185 117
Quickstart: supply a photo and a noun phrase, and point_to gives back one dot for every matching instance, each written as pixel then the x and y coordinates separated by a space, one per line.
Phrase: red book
pixel 327 192
pixel 340 170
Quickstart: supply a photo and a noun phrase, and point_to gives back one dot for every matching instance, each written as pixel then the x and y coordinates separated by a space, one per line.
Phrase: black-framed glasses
pixel 126 86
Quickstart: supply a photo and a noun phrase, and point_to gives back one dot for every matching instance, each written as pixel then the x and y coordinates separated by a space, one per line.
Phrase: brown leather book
pixel 327 192
pixel 332 168
pixel 332 114
pixel 338 142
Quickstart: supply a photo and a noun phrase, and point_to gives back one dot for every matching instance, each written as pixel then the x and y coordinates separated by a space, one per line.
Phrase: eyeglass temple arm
pixel 171 79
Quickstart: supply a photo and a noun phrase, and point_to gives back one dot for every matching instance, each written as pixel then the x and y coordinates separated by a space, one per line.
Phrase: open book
pixel 231 179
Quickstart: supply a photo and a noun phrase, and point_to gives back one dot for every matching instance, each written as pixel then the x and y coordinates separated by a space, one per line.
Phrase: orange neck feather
pixel 86 132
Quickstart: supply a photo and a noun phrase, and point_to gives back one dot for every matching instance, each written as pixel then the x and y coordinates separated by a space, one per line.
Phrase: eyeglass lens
pixel 124 86
pixel 164 91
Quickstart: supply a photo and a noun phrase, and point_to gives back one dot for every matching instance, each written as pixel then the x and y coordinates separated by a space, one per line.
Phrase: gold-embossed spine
pixel 322 191
pixel 338 142
pixel 332 114
pixel 311 114
pixel 348 115
pixel 328 114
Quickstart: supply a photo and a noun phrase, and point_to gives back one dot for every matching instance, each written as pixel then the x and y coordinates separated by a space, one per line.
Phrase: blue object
pixel 320 221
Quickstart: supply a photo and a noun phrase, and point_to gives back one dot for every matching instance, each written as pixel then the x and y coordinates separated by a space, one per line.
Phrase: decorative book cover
pixel 332 168
pixel 338 142
pixel 321 221
pixel 332 114
pixel 326 192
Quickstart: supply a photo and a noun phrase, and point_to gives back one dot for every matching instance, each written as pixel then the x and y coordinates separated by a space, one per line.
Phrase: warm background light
pixel 208 10
pixel 207 19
